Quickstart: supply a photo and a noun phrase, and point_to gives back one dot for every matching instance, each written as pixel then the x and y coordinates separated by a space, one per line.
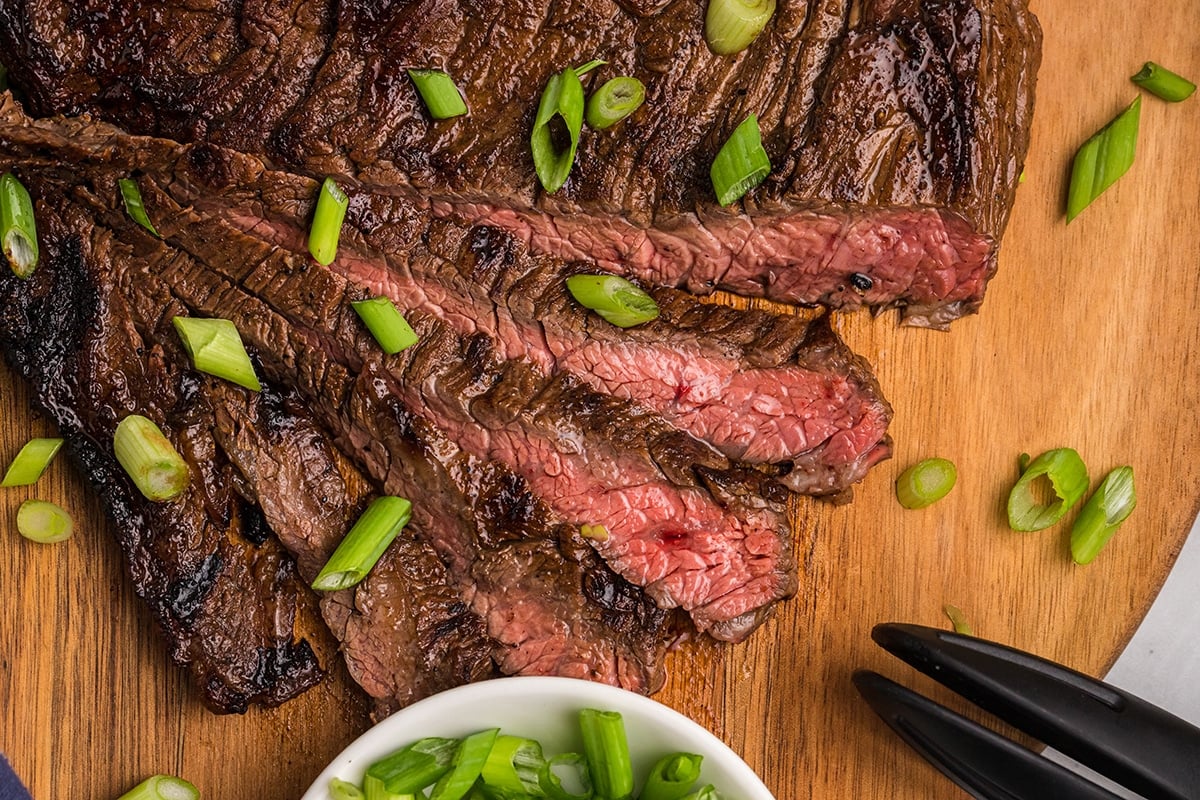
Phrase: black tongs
pixel 1136 744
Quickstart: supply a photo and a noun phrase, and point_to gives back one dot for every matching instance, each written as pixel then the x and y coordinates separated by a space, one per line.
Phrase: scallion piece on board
pixel 438 92
pixel 215 347
pixel 607 752
pixel 43 522
pixel 584 69
pixel 1103 158
pixel 1104 512
pixel 615 299
pixel 146 455
pixel 925 482
pixel 411 769
pixel 1061 473
pixel 575 765
pixel 561 109
pixel 18 229
pixel 132 196
pixel 344 790
pixel 364 544
pixel 672 777
pixel 513 767
pixel 614 101
pixel 466 767
pixel 958 619
pixel 741 164
pixel 328 217
pixel 31 462
pixel 162 787
pixel 1163 83
pixel 386 324
pixel 731 25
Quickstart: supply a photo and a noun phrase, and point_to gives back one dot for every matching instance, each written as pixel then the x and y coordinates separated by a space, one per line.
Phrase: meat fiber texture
pixel 897 129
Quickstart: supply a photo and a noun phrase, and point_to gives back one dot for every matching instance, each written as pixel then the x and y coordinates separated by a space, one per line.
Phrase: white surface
pixel 547 709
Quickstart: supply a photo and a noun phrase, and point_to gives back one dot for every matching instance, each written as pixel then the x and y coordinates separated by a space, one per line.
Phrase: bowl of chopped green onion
pixel 540 737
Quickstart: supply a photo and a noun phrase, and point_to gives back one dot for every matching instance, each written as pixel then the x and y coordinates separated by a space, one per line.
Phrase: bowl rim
pixel 381 737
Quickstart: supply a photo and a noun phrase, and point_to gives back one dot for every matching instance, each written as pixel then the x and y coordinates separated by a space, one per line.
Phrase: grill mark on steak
pixel 898 133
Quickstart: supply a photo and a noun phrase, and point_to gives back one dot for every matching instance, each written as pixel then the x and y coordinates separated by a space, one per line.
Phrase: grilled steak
pixel 897 128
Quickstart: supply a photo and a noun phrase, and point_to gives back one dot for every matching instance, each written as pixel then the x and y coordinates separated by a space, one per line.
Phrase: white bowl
pixel 547 709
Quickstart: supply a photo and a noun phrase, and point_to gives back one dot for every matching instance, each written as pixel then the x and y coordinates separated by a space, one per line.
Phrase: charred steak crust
pixel 227 601
pixel 897 128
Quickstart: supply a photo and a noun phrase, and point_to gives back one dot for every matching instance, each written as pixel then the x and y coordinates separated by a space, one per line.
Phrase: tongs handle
pixel 1115 733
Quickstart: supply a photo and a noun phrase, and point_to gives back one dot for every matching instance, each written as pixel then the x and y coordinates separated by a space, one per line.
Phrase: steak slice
pixel 760 387
pixel 897 128
pixel 224 593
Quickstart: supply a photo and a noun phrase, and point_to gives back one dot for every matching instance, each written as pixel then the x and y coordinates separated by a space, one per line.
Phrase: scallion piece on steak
pixel 731 25
pixel 18 229
pixel 741 164
pixel 326 228
pixel 131 195
pixel 386 324
pixel 613 298
pixel 561 110
pixel 364 544
pixel 215 347
pixel 614 101
pixel 149 459
pixel 439 93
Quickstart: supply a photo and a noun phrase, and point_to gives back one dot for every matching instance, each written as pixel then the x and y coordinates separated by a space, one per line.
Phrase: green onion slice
pixel 466 767
pixel 731 25
pixel 18 229
pixel 344 790
pixel 1104 512
pixel 215 347
pixel 31 462
pixel 132 196
pixel 1103 159
pixel 958 619
pixel 614 101
pixel 672 777
pixel 153 465
pixel 162 787
pixel 386 324
pixel 561 106
pixel 1163 83
pixel 438 92
pixel 1068 481
pixel 326 228
pixel 741 164
pixel 513 767
pixel 411 769
pixel 613 298
pixel 43 522
pixel 925 482
pixel 708 792
pixel 584 69
pixel 607 751
pixel 575 766
pixel 373 789
pixel 364 544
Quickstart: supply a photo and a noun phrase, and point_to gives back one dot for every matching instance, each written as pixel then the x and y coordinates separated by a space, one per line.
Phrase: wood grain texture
pixel 1088 338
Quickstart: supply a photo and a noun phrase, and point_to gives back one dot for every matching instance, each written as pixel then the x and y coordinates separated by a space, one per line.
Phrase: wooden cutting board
pixel 1088 338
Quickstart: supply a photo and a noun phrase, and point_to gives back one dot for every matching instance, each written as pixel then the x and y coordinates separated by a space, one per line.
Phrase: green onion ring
pixel 614 101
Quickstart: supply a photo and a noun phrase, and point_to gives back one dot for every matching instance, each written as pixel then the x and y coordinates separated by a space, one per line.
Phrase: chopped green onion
pixel 386 324
pixel 43 522
pixel 162 787
pixel 410 770
pixel 18 228
pixel 1102 514
pixel 597 532
pixel 615 299
pixel 708 792
pixel 741 164
pixel 1103 158
pixel 584 69
pixel 1068 480
pixel 552 784
pixel 672 777
pixel 614 101
pixel 607 752
pixel 326 228
pixel 439 93
pixel 153 465
pixel 31 462
pixel 925 482
pixel 513 766
pixel 133 204
pixel 731 25
pixel 562 99
pixel 344 790
pixel 958 619
pixel 373 789
pixel 364 544
pixel 466 767
pixel 1163 83
pixel 215 347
